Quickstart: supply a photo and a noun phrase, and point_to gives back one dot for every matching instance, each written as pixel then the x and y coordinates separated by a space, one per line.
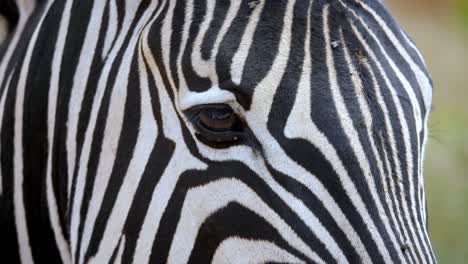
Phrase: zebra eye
pixel 217 125
pixel 217 119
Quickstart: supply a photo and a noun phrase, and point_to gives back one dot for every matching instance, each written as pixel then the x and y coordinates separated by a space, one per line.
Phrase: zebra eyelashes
pixel 217 125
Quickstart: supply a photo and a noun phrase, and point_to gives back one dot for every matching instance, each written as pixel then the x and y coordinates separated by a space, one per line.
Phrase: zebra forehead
pixel 242 54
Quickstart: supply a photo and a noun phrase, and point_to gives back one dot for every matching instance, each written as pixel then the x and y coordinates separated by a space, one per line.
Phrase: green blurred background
pixel 440 30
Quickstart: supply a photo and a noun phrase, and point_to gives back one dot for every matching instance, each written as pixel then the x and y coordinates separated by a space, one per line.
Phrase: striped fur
pixel 100 161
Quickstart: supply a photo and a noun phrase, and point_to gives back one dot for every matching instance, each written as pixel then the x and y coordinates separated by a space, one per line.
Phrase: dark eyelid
pixel 243 133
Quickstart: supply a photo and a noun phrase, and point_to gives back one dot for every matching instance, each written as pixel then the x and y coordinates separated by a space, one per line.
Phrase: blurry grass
pixel 446 172
pixel 462 10
pixel 446 164
pixel 3 28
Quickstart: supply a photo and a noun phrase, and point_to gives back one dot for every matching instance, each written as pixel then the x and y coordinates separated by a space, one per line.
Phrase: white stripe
pixel 3 66
pixel 24 16
pixel 172 129
pixel 301 114
pixel 208 68
pixel 422 159
pixel 18 199
pixel 111 136
pixel 203 201
pixel 258 115
pixel 422 79
pixel 160 199
pixel 62 243
pixel 120 251
pixel 202 67
pixel 86 150
pixel 112 25
pixel 419 126
pixel 368 120
pixel 146 139
pixel 412 45
pixel 353 137
pixel 2 111
pixel 239 59
pixel 426 90
pixel 80 80
pixel 25 7
pixel 297 205
pixel 402 119
pixel 214 94
pixel 245 251
pixel 280 157
pixel 248 157
pixel 394 175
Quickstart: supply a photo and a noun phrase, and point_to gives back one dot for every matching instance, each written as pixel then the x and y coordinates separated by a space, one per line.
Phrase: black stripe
pixel 35 141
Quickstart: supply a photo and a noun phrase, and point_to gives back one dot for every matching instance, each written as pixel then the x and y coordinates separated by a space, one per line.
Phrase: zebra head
pixel 221 131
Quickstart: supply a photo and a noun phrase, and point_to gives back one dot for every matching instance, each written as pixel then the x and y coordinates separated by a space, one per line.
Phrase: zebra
pixel 203 131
